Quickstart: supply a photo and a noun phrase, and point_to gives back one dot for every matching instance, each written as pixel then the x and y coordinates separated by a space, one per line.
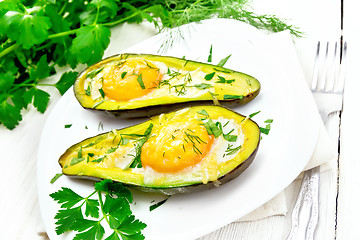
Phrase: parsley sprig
pixel 37 37
pixel 108 203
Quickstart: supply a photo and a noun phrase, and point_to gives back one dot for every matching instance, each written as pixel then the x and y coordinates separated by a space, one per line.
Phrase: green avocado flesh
pixel 139 85
pixel 187 150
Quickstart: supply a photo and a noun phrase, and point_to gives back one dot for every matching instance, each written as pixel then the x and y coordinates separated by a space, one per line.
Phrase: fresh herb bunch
pixel 111 203
pixel 37 36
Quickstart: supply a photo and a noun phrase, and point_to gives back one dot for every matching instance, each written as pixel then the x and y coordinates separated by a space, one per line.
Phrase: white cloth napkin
pixel 324 155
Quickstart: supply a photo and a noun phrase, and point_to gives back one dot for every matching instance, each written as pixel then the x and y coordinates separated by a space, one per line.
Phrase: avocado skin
pixel 158 108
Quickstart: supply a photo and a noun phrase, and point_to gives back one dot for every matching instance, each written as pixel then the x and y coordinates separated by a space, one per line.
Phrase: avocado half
pixel 180 83
pixel 123 156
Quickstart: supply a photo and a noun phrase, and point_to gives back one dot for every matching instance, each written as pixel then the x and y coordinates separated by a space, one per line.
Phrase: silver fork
pixel 327 87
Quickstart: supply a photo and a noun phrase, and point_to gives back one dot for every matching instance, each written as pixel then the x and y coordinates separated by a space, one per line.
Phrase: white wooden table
pixel 339 190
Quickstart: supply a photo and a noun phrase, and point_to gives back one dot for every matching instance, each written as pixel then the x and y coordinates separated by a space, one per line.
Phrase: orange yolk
pixel 123 83
pixel 176 147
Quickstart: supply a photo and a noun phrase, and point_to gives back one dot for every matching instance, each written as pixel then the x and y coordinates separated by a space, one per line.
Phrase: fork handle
pixel 305 214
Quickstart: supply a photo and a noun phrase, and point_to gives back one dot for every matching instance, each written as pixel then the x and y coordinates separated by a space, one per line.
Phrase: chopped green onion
pixel 253 114
pixel 102 92
pixel 123 74
pixel 210 55
pixel 56 177
pixel 76 160
pixel 209 76
pixel 229 97
pixel 223 61
pixel 156 205
pixel 140 81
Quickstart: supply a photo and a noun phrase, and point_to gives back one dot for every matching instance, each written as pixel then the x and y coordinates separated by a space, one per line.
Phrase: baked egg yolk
pixel 132 79
pixel 174 147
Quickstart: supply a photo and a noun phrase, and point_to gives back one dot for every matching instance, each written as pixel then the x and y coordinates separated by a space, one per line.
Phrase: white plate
pixel 281 157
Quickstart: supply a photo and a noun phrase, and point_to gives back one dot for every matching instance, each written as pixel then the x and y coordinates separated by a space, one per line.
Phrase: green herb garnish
pixel 98 103
pixel 101 91
pixel 223 80
pixel 209 76
pixel 68 125
pixel 76 160
pixel 123 74
pixel 231 150
pixel 210 56
pixel 230 97
pixel 253 114
pixel 140 81
pixel 212 128
pixel 94 72
pixel 56 177
pixel 88 90
pixel 223 61
pixel 109 203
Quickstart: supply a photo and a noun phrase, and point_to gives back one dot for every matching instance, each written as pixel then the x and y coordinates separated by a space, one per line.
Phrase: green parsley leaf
pixel 7 81
pixel 212 128
pixel 42 69
pixel 66 219
pixel 114 188
pixel 10 115
pixel 39 97
pixel 95 232
pixel 269 121
pixel 90 43
pixel 265 130
pixel 27 29
pixel 92 208
pixel 68 125
pixel 115 211
pixel 67 79
pixel 67 197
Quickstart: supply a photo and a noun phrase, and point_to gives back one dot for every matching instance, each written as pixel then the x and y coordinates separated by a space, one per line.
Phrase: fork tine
pixel 314 81
pixel 332 73
pixel 324 69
